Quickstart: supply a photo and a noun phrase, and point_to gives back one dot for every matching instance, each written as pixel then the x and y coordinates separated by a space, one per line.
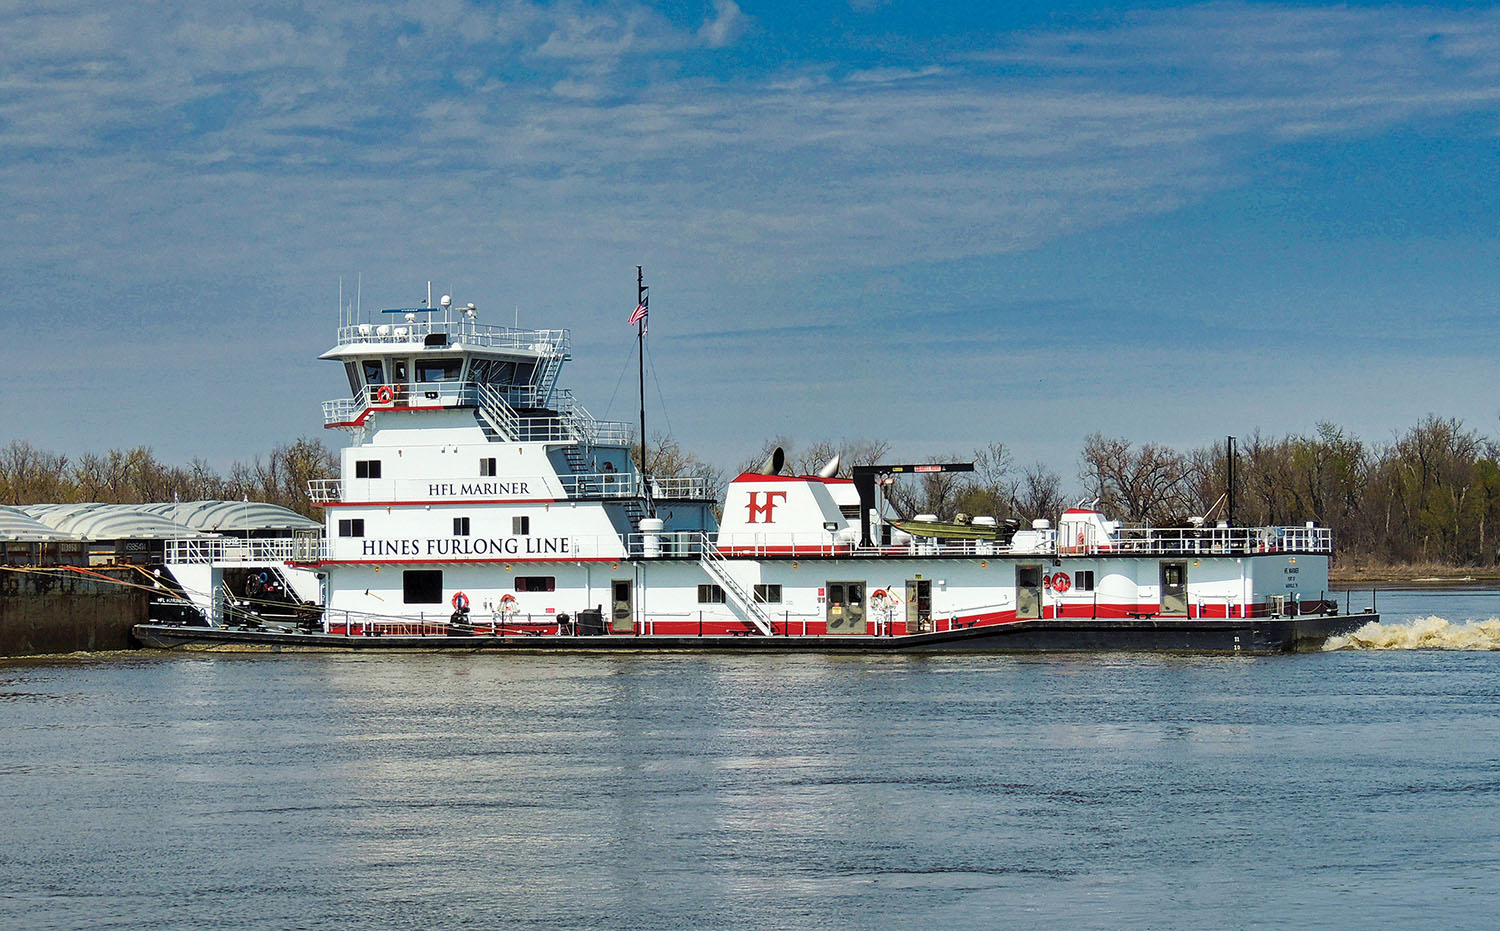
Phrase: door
pixel 1028 592
pixel 401 378
pixel 918 605
pixel 846 607
pixel 1174 600
pixel 622 611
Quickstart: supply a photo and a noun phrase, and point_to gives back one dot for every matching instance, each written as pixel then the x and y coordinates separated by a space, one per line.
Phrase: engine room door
pixel 1174 599
pixel 622 613
pixel 846 607
pixel 1028 592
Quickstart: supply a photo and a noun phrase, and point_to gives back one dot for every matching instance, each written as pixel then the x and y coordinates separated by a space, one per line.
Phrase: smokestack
pixel 831 469
pixel 774 462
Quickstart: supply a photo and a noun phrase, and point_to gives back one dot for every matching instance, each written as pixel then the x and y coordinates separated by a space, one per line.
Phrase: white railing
pixel 252 550
pixel 542 342
pixel 1134 541
pixel 325 490
pixel 628 485
pixel 1189 541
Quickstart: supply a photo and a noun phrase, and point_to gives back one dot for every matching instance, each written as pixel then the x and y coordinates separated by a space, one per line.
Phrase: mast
pixel 640 345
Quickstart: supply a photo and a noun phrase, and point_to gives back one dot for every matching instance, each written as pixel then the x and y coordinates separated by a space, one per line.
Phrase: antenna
pixel 359 288
pixel 518 316
pixel 341 300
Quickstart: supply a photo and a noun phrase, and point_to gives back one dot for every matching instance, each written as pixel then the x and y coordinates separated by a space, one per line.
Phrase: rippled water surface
pixel 677 791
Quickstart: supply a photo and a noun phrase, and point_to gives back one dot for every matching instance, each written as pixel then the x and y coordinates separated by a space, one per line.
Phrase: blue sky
pixel 938 224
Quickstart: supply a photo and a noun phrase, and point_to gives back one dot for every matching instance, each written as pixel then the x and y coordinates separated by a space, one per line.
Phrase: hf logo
pixel 765 506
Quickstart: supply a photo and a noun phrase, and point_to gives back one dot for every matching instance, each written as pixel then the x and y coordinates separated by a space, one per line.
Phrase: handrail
pixel 240 549
pixel 541 342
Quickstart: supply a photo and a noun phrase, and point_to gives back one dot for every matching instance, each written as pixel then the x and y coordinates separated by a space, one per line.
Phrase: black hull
pixel 1062 635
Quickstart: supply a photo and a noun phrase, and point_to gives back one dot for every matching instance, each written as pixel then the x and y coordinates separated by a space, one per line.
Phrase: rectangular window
pixel 710 595
pixel 374 375
pixel 438 369
pixel 367 468
pixel 460 526
pixel 536 583
pixel 487 466
pixel 768 594
pixel 352 527
pixel 520 526
pixel 1083 580
pixel 422 586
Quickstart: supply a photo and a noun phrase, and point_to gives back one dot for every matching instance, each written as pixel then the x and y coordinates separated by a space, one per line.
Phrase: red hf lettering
pixel 765 506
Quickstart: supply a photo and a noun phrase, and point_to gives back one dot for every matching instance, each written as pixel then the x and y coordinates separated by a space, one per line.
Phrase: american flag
pixel 640 312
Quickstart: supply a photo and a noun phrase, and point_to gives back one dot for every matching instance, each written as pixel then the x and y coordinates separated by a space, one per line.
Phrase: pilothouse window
pixel 374 374
pixel 438 369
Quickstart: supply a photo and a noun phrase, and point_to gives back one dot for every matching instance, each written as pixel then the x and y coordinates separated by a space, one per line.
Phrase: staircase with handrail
pixel 718 569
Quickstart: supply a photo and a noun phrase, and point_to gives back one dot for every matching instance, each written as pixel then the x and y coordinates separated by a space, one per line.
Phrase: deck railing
pixel 258 550
pixel 460 333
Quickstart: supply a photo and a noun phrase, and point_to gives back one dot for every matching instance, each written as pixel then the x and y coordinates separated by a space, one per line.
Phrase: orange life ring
pixel 1080 538
pixel 508 605
pixel 1061 582
pixel 385 395
pixel 460 601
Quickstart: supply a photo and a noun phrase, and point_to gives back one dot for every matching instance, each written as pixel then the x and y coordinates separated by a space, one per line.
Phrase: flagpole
pixel 640 342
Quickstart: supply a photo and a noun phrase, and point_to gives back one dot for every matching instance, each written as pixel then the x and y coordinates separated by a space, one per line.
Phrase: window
pixel 1083 580
pixel 710 595
pixel 520 526
pixel 374 375
pixel 479 370
pixel 487 466
pixel 438 369
pixel 536 583
pixel 367 468
pixel 768 594
pixel 422 586
pixel 460 526
pixel 354 527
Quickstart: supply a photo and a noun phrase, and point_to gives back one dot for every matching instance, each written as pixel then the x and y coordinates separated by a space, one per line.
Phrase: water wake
pixel 1425 633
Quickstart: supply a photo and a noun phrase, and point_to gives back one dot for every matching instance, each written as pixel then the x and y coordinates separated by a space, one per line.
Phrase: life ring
pixel 1061 582
pixel 1046 581
pixel 508 605
pixel 460 601
pixel 385 395
pixel 1080 538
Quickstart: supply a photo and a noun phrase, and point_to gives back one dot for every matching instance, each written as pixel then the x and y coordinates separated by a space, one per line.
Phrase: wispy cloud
pixel 166 149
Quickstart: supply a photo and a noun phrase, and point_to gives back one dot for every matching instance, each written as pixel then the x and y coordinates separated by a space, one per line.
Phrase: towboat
pixel 481 507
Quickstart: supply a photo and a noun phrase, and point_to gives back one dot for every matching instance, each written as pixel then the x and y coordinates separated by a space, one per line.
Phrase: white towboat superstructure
pixel 480 505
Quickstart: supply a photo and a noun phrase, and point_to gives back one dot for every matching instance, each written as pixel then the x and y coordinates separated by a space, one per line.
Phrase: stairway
pixel 718 570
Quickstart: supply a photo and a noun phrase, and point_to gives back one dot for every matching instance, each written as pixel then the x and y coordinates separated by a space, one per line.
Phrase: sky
pixel 940 225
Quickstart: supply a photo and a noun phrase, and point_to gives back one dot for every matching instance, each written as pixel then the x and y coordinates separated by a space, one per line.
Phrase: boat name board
pixel 418 547
pixel 478 489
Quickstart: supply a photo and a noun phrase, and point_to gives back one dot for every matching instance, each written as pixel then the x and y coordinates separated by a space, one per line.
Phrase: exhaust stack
pixel 774 462
pixel 831 469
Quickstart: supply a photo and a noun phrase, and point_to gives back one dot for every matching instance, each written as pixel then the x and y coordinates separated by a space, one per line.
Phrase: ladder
pixel 717 568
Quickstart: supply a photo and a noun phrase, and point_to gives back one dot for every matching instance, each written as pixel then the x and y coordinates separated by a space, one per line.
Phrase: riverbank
pixel 1424 574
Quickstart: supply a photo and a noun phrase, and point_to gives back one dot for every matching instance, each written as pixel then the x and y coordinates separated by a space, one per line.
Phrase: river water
pixel 1333 789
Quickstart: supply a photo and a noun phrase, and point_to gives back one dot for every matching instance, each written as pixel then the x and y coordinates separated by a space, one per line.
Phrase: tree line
pixel 1431 495
pixel 29 475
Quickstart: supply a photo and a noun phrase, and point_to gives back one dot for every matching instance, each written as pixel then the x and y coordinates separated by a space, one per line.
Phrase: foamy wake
pixel 1426 633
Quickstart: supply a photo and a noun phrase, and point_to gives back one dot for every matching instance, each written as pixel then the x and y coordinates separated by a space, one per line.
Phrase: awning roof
pixel 16 526
pixel 109 522
pixel 231 516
